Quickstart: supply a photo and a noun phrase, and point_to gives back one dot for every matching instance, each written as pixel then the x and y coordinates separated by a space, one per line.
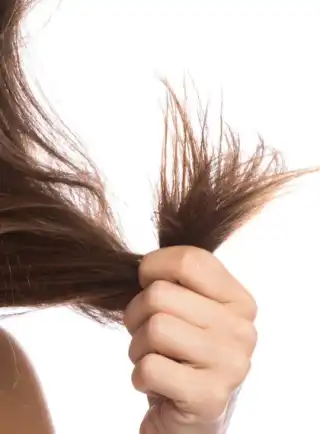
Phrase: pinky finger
pixel 189 388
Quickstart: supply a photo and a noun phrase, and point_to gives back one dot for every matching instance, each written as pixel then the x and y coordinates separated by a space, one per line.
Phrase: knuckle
pixel 144 373
pixel 241 367
pixel 131 354
pixel 186 260
pixel 156 328
pixel 154 295
pixel 252 337
pixel 252 308
pixel 247 332
pixel 148 368
pixel 134 353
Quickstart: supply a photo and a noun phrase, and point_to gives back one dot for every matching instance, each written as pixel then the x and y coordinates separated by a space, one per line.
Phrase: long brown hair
pixel 59 242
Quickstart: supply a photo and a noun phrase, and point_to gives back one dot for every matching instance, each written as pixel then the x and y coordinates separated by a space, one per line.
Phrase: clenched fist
pixel 192 340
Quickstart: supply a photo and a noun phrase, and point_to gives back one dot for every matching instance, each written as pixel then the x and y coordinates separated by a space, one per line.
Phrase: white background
pixel 96 61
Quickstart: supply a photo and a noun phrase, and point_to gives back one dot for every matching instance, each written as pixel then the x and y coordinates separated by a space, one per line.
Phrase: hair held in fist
pixel 59 242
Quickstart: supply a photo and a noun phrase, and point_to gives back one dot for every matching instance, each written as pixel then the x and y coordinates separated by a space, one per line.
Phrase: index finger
pixel 192 268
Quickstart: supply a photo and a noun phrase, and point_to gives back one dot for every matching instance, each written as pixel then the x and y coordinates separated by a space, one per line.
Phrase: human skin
pixel 193 336
pixel 23 408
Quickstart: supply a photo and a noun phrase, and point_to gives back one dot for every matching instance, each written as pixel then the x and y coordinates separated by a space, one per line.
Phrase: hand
pixel 192 340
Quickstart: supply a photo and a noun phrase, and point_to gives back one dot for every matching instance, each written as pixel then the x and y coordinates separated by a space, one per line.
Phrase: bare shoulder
pixel 23 409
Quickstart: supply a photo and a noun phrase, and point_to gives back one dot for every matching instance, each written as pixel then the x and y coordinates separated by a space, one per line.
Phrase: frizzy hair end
pixel 59 242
